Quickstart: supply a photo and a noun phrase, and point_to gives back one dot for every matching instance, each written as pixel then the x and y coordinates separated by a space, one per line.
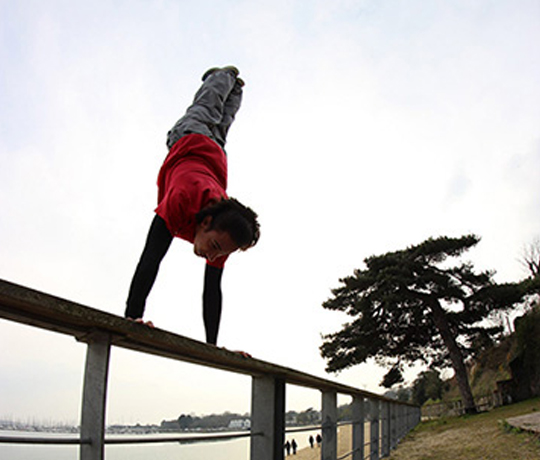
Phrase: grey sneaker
pixel 232 69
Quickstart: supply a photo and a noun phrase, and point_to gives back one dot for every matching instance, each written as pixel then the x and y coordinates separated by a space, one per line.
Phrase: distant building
pixel 240 424
pixel 291 418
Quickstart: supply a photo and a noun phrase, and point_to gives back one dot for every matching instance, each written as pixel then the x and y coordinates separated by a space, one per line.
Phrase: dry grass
pixel 479 437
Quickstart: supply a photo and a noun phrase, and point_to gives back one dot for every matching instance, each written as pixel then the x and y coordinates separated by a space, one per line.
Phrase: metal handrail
pixel 126 440
pixel 150 440
pixel 35 308
pixel 37 440
pixel 101 331
pixel 182 440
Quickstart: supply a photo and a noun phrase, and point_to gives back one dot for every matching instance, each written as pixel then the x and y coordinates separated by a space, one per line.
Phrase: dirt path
pixel 529 422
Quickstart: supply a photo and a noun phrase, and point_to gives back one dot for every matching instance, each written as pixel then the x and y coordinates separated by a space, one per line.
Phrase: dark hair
pixel 231 216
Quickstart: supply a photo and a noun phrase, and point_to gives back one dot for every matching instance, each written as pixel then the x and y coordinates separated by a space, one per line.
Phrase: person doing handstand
pixel 192 201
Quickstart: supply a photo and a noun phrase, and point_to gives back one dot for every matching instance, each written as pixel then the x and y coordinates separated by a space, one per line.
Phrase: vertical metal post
pixel 417 416
pixel 329 426
pixel 406 419
pixel 268 418
pixel 374 438
pixel 95 396
pixel 398 423
pixel 358 428
pixel 401 422
pixel 385 429
pixel 393 426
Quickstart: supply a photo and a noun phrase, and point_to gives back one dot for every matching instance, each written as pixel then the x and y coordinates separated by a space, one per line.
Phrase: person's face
pixel 212 244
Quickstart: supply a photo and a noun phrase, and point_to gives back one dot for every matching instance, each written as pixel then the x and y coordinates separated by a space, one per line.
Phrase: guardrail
pixel 456 407
pixel 389 420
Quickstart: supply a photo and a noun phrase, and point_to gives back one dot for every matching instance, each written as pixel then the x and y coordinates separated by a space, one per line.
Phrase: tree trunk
pixel 439 318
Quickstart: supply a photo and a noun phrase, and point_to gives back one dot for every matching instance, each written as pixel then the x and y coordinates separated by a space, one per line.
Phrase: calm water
pixel 237 449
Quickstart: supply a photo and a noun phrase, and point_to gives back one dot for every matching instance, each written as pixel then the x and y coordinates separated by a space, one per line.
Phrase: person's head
pixel 224 227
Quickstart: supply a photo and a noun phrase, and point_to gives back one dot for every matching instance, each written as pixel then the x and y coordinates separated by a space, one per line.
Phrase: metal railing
pixel 389 420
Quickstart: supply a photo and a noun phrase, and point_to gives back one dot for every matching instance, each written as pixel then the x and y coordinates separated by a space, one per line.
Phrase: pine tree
pixel 412 305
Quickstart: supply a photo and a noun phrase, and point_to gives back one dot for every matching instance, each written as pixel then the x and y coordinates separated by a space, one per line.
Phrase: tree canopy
pixel 428 385
pixel 413 305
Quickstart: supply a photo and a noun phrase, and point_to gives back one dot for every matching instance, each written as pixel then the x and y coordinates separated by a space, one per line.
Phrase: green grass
pixel 480 437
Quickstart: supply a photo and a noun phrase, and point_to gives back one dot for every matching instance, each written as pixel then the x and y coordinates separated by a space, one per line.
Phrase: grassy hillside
pixel 490 367
pixel 521 351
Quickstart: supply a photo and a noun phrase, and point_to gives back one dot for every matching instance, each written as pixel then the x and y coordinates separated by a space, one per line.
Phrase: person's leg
pixel 232 104
pixel 206 112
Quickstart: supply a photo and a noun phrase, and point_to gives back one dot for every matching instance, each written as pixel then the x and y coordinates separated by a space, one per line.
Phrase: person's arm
pixel 157 243
pixel 212 299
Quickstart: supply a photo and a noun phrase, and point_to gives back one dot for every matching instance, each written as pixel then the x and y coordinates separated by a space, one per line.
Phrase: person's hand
pixel 142 321
pixel 241 353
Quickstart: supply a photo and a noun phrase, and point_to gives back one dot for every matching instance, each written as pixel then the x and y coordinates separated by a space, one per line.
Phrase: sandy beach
pixel 344 446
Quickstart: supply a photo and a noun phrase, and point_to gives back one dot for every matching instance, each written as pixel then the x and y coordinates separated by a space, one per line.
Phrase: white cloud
pixel 366 127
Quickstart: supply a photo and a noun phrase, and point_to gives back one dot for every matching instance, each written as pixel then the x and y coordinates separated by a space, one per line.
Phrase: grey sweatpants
pixel 213 110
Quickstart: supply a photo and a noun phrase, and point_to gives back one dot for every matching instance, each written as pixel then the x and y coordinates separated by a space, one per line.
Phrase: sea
pixel 235 449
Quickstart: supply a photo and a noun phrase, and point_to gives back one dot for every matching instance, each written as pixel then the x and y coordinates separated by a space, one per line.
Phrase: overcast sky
pixel 367 126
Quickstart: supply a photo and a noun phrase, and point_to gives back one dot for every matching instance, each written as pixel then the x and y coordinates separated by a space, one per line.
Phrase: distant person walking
pixel 288 448
pixel 192 201
pixel 311 441
pixel 294 446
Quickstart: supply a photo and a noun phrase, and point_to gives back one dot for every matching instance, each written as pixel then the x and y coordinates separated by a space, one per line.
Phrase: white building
pixel 240 424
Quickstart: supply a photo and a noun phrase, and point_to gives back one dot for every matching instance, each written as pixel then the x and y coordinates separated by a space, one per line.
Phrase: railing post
pixel 358 428
pixel 268 418
pixel 402 422
pixel 407 419
pixel 95 396
pixel 374 425
pixel 398 423
pixel 329 426
pixel 385 429
pixel 393 426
